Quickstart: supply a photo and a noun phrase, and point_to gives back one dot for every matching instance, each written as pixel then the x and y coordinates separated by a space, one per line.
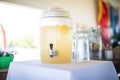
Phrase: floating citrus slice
pixel 64 29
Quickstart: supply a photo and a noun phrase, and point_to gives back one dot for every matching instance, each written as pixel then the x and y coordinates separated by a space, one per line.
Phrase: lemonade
pixel 61 38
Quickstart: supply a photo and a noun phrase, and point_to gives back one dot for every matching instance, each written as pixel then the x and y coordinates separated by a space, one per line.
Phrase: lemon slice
pixel 64 29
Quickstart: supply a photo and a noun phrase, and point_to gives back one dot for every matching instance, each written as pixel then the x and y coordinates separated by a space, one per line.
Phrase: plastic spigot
pixel 51 51
pixel 51 46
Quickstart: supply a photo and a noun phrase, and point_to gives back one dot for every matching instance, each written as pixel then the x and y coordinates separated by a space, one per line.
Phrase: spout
pixel 51 51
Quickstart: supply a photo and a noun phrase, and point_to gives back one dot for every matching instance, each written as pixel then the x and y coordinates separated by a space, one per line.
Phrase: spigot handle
pixel 51 51
pixel 51 46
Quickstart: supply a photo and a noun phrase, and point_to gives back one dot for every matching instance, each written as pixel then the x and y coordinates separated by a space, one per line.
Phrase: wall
pixel 115 3
pixel 82 11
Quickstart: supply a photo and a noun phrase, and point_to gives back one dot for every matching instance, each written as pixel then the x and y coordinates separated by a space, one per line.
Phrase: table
pixel 3 70
pixel 116 63
pixel 3 74
pixel 86 70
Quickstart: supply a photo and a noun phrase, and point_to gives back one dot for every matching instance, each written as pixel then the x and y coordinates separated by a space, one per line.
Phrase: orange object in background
pixel 100 10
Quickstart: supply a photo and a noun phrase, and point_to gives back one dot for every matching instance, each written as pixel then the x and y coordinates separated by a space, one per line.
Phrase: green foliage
pixel 26 42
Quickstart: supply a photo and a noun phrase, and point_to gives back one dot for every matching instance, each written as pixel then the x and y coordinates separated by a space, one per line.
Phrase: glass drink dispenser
pixel 56 36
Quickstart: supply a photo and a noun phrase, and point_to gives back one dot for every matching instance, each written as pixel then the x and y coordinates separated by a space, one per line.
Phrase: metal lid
pixel 55 12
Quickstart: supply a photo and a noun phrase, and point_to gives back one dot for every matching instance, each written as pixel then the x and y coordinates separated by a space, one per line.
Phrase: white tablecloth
pixel 35 70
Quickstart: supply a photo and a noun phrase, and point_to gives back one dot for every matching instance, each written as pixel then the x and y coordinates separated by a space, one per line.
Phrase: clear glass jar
pixel 80 43
pixel 95 43
pixel 56 36
pixel 81 46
